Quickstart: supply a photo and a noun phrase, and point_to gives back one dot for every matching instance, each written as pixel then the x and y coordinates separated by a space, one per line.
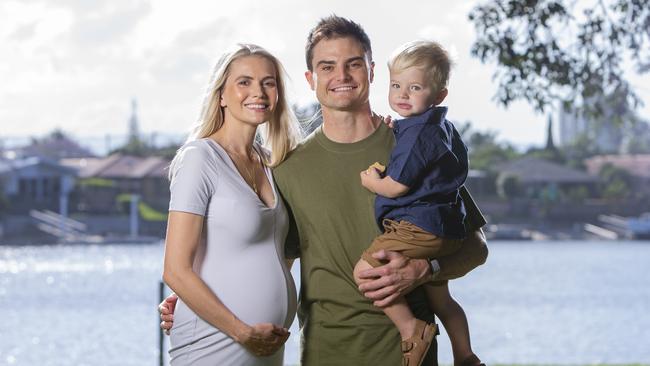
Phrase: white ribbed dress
pixel 240 256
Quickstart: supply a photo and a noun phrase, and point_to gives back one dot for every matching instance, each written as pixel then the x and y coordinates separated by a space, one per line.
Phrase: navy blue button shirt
pixel 431 159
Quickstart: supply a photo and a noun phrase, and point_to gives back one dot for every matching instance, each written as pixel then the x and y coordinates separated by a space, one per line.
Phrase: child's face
pixel 410 92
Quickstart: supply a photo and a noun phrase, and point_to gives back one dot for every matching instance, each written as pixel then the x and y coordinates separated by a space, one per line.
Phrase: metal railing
pixel 161 335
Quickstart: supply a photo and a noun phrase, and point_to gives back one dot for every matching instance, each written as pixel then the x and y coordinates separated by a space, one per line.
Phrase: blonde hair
pixel 279 135
pixel 429 56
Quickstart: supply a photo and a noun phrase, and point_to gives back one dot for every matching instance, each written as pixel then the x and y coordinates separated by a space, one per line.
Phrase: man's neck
pixel 349 126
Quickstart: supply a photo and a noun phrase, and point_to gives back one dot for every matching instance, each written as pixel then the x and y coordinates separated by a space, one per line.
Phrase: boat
pixel 508 232
pixel 635 227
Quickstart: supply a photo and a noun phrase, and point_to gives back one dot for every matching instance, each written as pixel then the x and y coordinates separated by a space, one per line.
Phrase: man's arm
pixel 396 278
pixel 401 274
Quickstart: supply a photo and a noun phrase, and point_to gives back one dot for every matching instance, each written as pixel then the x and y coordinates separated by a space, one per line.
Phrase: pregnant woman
pixel 227 223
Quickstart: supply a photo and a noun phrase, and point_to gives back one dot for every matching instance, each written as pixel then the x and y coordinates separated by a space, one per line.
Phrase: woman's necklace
pixel 249 169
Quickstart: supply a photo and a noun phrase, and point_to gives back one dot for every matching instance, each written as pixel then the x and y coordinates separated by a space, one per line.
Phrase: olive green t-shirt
pixel 334 216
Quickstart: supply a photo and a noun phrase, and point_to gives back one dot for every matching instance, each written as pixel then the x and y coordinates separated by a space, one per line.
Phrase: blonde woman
pixel 227 223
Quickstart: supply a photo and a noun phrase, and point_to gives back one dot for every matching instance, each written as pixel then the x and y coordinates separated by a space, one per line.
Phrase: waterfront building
pixel 543 179
pixel 35 183
pixel 102 181
pixel 636 165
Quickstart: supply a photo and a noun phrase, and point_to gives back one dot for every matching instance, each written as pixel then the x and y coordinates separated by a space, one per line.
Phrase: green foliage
pixel 508 186
pixel 123 198
pixel 617 182
pixel 545 54
pixel 485 152
pixel 167 152
pixel 150 214
pixel 96 182
pixel 636 139
pixel 616 189
pixel 583 147
pixel 553 155
pixel 137 147
pixel 576 194
pixel 145 211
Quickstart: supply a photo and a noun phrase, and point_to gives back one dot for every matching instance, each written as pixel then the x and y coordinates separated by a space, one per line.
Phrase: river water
pixel 533 302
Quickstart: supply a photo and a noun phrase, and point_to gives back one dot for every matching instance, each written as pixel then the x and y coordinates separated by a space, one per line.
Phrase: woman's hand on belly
pixel 263 339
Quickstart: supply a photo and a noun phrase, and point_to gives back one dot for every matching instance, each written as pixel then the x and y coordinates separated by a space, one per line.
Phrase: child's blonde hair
pixel 427 55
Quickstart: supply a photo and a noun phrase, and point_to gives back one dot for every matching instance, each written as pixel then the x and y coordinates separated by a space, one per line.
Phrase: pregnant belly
pixel 253 285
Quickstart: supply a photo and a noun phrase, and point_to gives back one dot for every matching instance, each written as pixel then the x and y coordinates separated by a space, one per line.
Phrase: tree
pixel 636 139
pixel 135 147
pixel 508 186
pixel 545 53
pixel 581 148
pixel 548 152
pixel 485 153
pixel 617 182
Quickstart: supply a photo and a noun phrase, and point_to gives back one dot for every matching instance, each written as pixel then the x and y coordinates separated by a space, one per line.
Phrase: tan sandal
pixel 472 360
pixel 414 349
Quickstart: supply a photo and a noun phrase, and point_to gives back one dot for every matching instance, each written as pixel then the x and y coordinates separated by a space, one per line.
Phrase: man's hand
pixel 396 278
pixel 166 310
pixel 263 339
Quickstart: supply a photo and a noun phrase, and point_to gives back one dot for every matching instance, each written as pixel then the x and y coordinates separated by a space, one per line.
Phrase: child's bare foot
pixel 407 328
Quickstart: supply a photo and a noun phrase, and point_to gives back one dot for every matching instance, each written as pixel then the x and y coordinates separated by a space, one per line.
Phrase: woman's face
pixel 250 93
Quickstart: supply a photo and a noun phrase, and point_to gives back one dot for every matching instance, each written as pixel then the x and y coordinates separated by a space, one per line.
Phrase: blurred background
pixel 550 96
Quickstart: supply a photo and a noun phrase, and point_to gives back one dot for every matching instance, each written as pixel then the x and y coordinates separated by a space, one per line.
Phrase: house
pixel 54 146
pixel 542 179
pixel 637 166
pixel 479 183
pixel 104 182
pixel 35 183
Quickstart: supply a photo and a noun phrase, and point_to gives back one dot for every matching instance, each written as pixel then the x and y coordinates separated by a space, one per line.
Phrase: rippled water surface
pixel 569 303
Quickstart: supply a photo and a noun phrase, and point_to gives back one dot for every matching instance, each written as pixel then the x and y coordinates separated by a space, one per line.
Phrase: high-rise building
pixel 605 132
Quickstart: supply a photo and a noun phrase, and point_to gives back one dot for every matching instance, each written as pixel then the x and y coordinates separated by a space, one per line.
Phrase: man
pixel 334 214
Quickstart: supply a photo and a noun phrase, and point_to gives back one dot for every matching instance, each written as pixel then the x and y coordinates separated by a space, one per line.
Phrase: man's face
pixel 341 74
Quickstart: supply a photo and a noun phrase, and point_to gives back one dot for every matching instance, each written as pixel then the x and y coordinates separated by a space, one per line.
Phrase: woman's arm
pixel 183 237
pixel 183 234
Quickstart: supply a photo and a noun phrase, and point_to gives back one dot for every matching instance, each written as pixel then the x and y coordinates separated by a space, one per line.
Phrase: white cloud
pixel 77 63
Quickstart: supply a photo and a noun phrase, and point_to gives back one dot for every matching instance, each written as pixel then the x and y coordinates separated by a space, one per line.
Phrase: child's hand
pixel 369 177
pixel 388 121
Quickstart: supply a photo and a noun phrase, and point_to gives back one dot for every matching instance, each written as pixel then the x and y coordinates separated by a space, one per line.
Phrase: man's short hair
pixel 427 55
pixel 333 27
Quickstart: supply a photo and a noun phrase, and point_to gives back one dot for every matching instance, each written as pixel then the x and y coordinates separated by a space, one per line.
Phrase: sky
pixel 75 65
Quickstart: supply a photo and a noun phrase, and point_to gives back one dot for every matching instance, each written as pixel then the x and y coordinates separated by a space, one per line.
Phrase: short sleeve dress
pixel 240 256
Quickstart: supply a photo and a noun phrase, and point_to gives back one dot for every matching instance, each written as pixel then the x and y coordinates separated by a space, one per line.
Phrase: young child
pixel 418 203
